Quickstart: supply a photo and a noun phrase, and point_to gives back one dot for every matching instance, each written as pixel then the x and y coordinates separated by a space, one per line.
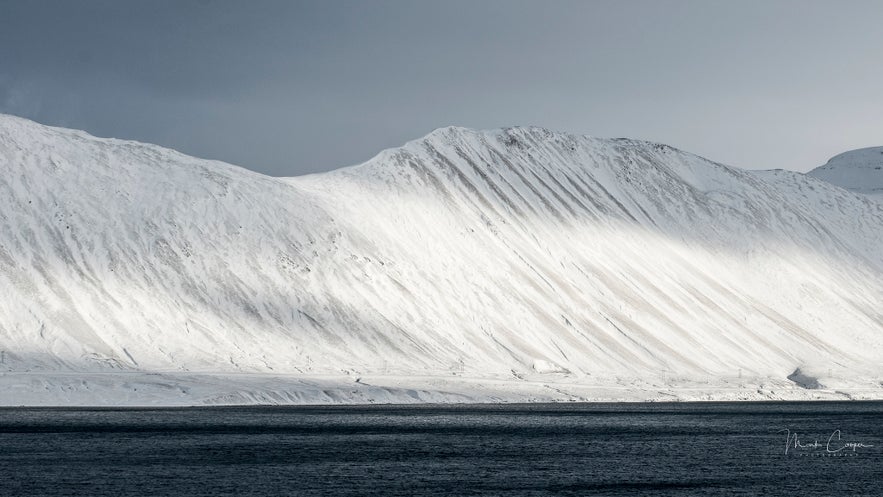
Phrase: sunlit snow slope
pixel 516 255
pixel 857 170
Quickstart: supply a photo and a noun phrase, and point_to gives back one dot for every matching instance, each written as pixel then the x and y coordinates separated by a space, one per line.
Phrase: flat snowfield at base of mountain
pixel 169 389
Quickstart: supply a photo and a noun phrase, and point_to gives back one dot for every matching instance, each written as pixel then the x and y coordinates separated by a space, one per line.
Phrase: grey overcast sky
pixel 292 87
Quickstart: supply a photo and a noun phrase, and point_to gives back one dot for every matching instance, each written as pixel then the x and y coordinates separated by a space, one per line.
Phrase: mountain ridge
pixel 512 254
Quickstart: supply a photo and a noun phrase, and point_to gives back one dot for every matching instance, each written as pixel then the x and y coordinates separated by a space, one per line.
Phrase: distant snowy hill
pixel 857 170
pixel 517 264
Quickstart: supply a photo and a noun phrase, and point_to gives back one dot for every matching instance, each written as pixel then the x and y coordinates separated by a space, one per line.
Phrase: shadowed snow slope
pixel 857 170
pixel 516 254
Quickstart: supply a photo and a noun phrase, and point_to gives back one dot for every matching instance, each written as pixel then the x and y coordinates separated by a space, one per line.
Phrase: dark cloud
pixel 289 87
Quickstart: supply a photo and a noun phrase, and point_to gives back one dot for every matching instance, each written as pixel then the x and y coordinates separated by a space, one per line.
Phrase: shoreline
pixel 154 389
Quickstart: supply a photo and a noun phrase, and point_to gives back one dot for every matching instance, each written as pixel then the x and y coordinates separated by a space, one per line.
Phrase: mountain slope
pixel 517 255
pixel 858 170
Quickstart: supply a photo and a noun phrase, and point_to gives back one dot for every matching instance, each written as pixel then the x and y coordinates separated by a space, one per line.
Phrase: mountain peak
pixel 859 170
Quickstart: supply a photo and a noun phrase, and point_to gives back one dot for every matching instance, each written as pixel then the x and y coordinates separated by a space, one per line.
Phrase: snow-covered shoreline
pixel 78 389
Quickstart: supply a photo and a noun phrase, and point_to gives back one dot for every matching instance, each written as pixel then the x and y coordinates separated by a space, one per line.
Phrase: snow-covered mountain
pixel 857 170
pixel 467 265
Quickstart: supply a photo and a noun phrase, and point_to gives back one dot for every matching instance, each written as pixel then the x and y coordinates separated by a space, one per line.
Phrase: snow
pixel 857 170
pixel 504 265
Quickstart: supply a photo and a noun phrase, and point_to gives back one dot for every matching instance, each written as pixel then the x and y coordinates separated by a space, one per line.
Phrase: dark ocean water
pixel 513 450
